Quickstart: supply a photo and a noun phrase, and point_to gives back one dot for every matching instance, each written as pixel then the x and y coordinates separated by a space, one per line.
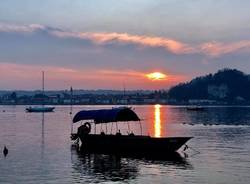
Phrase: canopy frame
pixel 122 114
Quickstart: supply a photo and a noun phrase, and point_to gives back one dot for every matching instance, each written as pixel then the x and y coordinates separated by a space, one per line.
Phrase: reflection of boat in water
pixel 41 108
pixel 118 143
pixel 101 167
pixel 120 167
pixel 195 108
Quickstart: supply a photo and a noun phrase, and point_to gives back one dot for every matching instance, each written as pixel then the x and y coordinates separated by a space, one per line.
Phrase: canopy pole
pixel 140 127
pixel 95 128
pixel 128 126
pixel 71 127
pixel 111 128
pixel 106 129
pixel 116 126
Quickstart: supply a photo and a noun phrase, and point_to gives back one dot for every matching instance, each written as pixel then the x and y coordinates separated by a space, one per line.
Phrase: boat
pixel 195 108
pixel 42 108
pixel 119 143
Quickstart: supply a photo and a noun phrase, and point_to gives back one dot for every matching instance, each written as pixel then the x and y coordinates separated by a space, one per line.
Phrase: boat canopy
pixel 107 115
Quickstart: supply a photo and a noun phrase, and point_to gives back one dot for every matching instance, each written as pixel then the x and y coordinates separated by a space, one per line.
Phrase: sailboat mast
pixel 43 85
pixel 71 107
pixel 71 99
pixel 124 94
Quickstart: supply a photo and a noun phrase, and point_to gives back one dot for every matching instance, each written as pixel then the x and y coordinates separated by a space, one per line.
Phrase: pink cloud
pixel 211 49
pixel 103 38
pixel 215 49
pixel 147 41
pixel 124 73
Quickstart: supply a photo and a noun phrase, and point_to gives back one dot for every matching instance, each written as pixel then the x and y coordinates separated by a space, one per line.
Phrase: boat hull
pixel 40 109
pixel 195 108
pixel 130 144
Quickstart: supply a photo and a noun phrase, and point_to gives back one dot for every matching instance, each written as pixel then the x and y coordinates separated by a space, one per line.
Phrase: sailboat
pixel 41 108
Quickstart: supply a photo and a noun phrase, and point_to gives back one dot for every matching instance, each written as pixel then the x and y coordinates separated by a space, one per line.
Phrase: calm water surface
pixel 40 147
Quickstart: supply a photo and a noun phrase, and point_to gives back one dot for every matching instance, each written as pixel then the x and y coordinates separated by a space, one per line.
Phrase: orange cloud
pixel 102 38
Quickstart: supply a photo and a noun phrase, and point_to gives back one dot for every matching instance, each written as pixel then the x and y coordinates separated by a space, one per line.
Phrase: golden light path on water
pixel 157 120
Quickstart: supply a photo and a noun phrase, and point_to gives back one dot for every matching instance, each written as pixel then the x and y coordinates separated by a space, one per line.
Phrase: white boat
pixel 40 108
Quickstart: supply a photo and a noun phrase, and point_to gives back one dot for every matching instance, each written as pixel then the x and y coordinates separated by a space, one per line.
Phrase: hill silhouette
pixel 225 85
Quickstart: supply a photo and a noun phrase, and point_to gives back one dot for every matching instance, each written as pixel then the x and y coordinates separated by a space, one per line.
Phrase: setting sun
pixel 156 76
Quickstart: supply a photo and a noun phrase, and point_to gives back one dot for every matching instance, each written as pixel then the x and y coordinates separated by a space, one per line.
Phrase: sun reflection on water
pixel 157 120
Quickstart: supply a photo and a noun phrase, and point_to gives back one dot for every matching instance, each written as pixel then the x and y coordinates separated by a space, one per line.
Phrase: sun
pixel 156 76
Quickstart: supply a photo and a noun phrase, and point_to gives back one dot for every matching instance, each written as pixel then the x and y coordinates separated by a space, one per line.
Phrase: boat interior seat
pixel 131 134
pixel 118 133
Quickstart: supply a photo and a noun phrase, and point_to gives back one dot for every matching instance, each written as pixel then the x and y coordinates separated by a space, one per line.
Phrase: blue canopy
pixel 107 115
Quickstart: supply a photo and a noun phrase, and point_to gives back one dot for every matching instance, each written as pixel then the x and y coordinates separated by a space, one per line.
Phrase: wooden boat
pixel 118 143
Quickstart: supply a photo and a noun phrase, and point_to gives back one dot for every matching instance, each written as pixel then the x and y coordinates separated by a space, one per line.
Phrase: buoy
pixel 185 147
pixel 5 151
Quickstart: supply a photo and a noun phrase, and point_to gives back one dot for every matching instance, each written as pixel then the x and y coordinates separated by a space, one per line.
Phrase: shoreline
pixel 174 105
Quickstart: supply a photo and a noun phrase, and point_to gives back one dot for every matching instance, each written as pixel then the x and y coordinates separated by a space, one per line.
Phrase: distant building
pixel 122 101
pixel 66 101
pixel 84 100
pixel 53 99
pixel 220 91
pixel 149 101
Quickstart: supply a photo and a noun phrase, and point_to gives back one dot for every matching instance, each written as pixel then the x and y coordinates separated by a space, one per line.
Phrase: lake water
pixel 40 147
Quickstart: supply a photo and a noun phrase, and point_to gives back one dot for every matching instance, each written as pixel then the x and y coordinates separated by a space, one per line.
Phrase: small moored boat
pixel 195 108
pixel 118 143
pixel 40 109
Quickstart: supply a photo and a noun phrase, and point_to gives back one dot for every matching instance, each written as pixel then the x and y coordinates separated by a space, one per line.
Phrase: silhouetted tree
pixel 237 83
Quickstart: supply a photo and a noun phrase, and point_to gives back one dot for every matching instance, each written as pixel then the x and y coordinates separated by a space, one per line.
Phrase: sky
pixel 109 44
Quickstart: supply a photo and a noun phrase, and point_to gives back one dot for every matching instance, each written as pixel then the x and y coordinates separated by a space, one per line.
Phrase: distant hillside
pixel 225 85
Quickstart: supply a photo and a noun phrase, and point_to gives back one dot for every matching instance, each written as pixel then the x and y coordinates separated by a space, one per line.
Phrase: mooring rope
pixel 186 147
